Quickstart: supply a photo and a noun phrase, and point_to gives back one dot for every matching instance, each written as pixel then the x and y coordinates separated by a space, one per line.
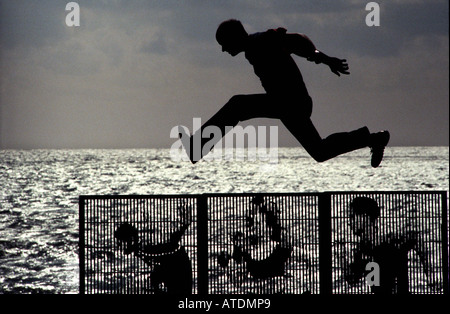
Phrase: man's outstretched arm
pixel 302 46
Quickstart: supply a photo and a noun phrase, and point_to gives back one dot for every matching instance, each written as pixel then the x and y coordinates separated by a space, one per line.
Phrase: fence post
pixel 325 243
pixel 202 244
pixel 81 244
pixel 445 243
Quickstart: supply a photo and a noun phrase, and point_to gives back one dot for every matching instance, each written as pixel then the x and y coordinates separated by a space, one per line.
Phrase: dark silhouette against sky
pixel 286 96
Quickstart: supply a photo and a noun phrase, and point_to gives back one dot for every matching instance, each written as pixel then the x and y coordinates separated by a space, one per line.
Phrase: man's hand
pixel 338 66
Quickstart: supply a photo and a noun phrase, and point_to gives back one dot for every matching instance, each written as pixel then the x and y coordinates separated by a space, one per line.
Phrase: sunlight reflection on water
pixel 40 189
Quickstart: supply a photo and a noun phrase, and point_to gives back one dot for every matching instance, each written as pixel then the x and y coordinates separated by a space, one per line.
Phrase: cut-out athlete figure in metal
pixel 261 252
pixel 389 251
pixel 286 96
pixel 171 267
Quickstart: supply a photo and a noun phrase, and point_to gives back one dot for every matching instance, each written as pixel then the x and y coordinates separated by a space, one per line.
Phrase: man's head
pixel 231 35
pixel 364 212
pixel 128 236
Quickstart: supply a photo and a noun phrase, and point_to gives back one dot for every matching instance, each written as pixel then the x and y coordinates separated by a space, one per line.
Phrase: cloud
pixel 31 23
pixel 157 45
pixel 137 68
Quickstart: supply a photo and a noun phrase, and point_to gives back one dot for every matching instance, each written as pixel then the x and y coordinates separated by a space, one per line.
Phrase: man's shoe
pixel 378 142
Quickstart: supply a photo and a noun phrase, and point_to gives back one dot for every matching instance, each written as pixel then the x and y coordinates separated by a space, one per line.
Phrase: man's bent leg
pixel 327 148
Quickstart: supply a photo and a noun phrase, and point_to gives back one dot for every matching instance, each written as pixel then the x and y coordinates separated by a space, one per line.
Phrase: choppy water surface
pixel 40 188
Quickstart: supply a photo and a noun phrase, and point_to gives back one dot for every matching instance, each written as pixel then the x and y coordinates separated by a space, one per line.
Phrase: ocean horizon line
pixel 168 148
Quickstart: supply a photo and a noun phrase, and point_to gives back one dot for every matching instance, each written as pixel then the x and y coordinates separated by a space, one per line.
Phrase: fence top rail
pixel 136 196
pixel 243 194
pixel 434 192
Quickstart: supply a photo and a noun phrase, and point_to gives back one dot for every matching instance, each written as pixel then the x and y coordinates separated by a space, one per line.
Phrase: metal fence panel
pixel 264 243
pixel 107 267
pixel 404 233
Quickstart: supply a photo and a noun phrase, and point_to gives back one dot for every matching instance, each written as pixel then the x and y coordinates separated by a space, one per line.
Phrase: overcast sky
pixel 135 69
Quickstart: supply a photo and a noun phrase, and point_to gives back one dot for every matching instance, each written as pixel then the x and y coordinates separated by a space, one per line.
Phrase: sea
pixel 40 189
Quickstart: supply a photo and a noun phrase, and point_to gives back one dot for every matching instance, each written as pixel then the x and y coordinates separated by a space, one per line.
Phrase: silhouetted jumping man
pixel 286 96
